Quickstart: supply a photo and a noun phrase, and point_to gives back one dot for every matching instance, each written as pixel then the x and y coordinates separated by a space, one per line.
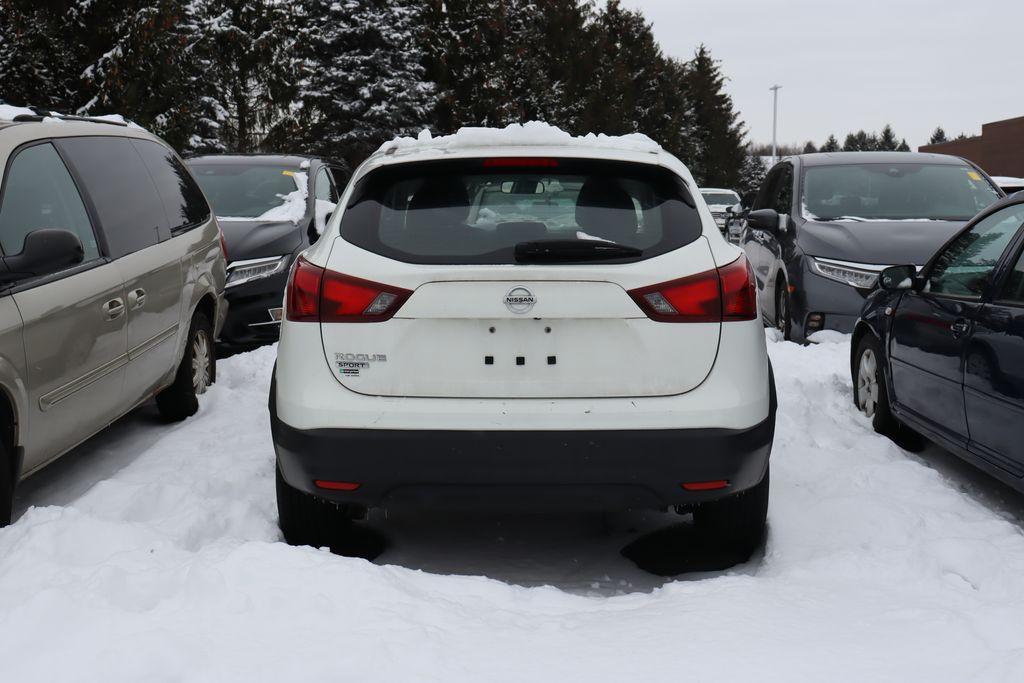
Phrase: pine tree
pixel 887 140
pixel 752 175
pixel 831 145
pixel 903 146
pixel 861 142
pixel 810 148
pixel 153 73
pixel 939 136
pixel 248 87
pixel 719 132
pixel 363 78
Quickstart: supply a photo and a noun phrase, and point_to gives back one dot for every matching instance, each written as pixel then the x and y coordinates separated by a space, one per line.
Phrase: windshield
pixel 721 198
pixel 479 210
pixel 249 192
pixel 938 192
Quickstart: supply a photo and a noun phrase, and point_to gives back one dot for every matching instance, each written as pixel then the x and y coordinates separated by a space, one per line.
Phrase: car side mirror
pixel 736 209
pixel 764 219
pixel 895 278
pixel 46 251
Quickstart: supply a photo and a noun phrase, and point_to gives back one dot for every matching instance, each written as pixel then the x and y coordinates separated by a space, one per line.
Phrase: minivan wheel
pixel 735 524
pixel 783 322
pixel 307 520
pixel 871 395
pixel 196 372
pixel 6 485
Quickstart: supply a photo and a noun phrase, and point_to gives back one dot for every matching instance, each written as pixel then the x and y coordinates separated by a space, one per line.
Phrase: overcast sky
pixel 916 64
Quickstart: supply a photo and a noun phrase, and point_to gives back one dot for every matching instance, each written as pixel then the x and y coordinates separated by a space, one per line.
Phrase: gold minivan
pixel 111 286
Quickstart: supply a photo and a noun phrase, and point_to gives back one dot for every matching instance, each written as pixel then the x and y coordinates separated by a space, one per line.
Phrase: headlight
pixel 861 276
pixel 241 272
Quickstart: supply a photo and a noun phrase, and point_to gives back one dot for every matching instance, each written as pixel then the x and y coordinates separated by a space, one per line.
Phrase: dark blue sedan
pixel 940 352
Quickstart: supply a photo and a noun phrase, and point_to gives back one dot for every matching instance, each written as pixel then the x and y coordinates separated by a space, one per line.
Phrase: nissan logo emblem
pixel 520 300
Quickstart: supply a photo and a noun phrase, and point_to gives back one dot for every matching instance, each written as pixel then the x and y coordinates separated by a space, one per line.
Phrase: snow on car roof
pixel 532 134
pixel 1007 181
pixel 10 113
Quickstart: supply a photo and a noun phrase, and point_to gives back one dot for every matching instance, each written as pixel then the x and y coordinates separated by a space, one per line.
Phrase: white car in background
pixel 521 316
pixel 721 203
pixel 1009 185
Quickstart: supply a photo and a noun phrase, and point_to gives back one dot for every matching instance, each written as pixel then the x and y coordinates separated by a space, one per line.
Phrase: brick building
pixel 999 149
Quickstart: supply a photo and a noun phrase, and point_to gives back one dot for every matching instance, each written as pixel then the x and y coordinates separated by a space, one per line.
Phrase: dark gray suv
pixel 111 286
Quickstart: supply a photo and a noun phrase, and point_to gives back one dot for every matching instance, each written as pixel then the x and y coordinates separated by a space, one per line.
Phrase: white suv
pixel 522 315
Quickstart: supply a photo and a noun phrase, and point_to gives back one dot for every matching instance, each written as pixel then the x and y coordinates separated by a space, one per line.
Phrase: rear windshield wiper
pixel 560 251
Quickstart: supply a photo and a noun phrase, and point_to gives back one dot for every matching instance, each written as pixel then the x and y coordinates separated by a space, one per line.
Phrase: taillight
pixel 723 294
pixel 739 292
pixel 302 300
pixel 319 295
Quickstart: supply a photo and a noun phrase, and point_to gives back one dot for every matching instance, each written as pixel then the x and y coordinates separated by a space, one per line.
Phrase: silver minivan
pixel 111 286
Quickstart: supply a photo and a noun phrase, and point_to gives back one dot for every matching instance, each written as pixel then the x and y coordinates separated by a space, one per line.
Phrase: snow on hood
pixel 292 207
pixel 534 133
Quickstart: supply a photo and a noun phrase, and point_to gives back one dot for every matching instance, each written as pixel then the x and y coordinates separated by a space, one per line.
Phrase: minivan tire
pixel 736 524
pixel 783 319
pixel 6 485
pixel 867 367
pixel 181 400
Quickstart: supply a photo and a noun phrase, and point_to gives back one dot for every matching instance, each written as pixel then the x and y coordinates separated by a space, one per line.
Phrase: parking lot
pixel 153 551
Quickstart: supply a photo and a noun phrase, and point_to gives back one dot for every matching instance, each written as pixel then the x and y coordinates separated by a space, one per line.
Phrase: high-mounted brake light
pixel 520 162
pixel 319 295
pixel 722 294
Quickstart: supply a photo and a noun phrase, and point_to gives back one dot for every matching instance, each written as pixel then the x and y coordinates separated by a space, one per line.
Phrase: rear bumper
pixel 596 469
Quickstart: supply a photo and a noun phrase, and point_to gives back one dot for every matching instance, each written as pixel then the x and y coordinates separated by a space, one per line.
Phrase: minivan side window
pixel 126 201
pixel 964 267
pixel 40 193
pixel 183 200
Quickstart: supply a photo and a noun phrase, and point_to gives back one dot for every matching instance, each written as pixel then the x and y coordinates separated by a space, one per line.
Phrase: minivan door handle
pixel 113 309
pixel 136 299
pixel 960 328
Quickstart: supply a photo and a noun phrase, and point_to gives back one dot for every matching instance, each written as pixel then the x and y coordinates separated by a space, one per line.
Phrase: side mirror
pixel 764 219
pixel 736 209
pixel 895 278
pixel 46 251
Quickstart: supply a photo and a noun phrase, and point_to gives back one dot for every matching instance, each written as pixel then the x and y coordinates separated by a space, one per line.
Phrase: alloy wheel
pixel 201 362
pixel 867 382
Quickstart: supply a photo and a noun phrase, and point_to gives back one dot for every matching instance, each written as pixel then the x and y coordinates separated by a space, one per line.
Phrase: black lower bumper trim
pixel 603 469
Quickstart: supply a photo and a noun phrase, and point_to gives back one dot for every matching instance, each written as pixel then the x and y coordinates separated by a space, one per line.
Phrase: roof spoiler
pixel 40 114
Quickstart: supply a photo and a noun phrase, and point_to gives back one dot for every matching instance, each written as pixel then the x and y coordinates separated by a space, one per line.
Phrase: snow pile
pixel 292 207
pixel 532 134
pixel 152 554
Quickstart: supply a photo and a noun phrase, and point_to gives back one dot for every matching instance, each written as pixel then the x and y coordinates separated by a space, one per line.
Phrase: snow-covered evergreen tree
pixel 831 145
pixel 362 75
pixel 154 73
pixel 248 87
pixel 752 175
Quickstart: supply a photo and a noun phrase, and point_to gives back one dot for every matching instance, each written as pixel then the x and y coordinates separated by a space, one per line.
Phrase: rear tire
pixel 6 485
pixel 736 524
pixel 305 519
pixel 197 370
pixel 871 395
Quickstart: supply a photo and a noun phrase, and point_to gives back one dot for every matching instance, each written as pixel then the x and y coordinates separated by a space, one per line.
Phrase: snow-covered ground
pixel 152 554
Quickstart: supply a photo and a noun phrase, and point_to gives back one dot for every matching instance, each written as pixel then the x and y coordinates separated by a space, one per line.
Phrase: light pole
pixel 775 122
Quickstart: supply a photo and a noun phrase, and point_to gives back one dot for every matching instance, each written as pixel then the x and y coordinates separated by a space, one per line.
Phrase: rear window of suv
pixel 475 211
